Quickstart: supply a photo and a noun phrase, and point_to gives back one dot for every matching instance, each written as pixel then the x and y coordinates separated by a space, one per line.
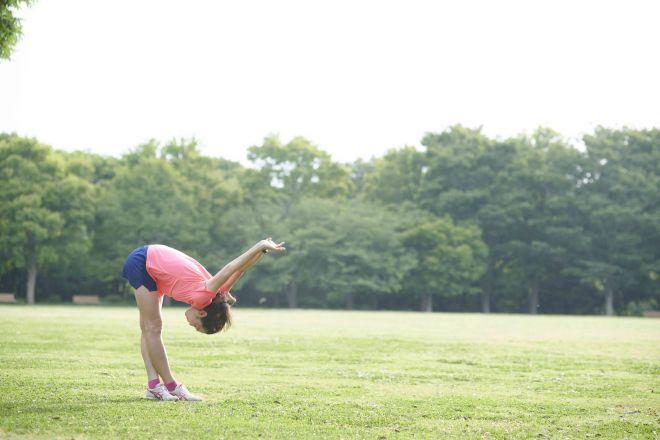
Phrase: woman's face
pixel 194 318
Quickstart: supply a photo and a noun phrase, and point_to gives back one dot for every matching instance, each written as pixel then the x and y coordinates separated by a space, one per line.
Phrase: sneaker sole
pixel 183 399
pixel 157 396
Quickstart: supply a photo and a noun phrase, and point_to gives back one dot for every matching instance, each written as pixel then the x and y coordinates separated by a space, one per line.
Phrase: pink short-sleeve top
pixel 179 276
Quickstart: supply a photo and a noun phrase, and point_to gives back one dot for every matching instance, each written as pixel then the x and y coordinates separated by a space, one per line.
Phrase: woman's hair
pixel 218 316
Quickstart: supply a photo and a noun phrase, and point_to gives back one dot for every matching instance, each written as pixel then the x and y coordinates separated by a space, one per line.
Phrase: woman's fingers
pixel 275 246
pixel 278 247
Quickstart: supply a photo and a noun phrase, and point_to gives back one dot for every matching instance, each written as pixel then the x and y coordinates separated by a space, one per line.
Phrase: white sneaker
pixel 183 394
pixel 159 392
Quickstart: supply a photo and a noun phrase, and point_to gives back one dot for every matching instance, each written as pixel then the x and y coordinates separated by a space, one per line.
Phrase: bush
pixel 637 308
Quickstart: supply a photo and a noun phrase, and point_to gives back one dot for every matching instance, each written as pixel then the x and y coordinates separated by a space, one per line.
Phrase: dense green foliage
pixel 10 26
pixel 467 223
pixel 283 374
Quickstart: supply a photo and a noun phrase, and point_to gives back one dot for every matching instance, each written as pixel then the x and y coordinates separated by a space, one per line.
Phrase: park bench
pixel 86 299
pixel 652 314
pixel 7 298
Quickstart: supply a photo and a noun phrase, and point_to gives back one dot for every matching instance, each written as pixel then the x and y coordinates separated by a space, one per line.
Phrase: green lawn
pixel 76 372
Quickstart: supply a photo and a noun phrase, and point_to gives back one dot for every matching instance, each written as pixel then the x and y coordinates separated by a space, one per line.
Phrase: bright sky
pixel 355 77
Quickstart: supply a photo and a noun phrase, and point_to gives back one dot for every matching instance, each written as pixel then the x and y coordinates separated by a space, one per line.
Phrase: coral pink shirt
pixel 179 276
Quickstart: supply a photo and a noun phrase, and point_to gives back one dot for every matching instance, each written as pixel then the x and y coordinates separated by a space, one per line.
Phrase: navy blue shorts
pixel 135 270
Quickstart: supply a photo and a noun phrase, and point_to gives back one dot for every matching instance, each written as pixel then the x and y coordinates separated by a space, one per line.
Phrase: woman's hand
pixel 230 299
pixel 269 245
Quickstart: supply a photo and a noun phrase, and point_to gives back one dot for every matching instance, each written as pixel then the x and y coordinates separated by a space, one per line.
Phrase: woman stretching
pixel 156 270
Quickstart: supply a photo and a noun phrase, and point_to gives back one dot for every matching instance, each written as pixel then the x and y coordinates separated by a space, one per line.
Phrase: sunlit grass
pixel 77 372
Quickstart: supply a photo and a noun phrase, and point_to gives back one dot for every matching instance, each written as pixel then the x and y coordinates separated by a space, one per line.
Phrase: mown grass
pixel 76 372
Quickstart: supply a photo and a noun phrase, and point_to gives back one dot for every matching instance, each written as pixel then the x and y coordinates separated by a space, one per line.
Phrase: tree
pixel 300 169
pixel 11 27
pixel 459 174
pixel 462 167
pixel 449 259
pixel 350 251
pixel 539 196
pixel 292 172
pixel 45 211
pixel 397 177
pixel 360 171
pixel 620 197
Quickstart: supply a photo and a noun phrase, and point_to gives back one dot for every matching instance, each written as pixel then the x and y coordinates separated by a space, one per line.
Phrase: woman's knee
pixel 151 326
pixel 149 305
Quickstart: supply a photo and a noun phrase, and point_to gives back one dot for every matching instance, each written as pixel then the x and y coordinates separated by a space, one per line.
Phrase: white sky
pixel 355 77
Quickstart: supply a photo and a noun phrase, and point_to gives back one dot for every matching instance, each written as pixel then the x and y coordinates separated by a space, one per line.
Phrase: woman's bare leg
pixel 152 374
pixel 151 324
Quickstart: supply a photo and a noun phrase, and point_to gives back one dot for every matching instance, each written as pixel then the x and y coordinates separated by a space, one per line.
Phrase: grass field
pixel 76 372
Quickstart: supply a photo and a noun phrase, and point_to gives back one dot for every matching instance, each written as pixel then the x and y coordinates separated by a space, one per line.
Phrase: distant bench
pixel 652 314
pixel 7 298
pixel 86 299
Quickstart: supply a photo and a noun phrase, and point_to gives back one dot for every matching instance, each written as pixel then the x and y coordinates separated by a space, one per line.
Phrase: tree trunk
pixel 485 300
pixel 486 289
pixel 350 301
pixel 427 303
pixel 276 301
pixel 292 295
pixel 533 298
pixel 609 301
pixel 31 282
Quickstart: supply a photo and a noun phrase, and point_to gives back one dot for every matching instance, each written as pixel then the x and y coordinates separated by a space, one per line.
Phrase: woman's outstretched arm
pixel 215 282
pixel 233 278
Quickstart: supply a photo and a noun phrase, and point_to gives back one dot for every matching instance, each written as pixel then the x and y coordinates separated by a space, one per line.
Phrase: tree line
pixel 466 223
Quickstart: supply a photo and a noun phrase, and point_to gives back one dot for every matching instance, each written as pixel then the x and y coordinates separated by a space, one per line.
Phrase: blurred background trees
pixel 467 223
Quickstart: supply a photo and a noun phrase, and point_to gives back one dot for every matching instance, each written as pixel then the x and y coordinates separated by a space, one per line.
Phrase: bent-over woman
pixel 156 270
